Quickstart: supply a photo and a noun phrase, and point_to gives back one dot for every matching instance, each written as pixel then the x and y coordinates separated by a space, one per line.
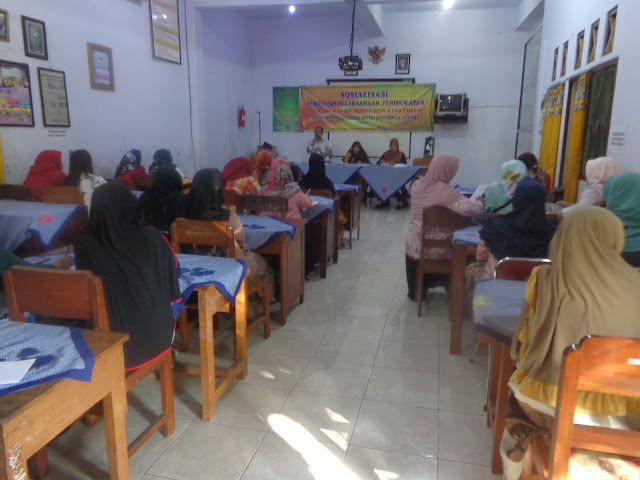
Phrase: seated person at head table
pixel 319 145
pixel 430 190
pixel 535 172
pixel 81 175
pixel 163 159
pixel 129 167
pixel 357 155
pixel 622 197
pixel 265 147
pixel 263 167
pixel 139 273
pixel 46 171
pixel 280 184
pixel 524 232
pixel 392 157
pixel 588 289
pixel 163 201
pixel 499 194
pixel 204 202
pixel 237 176
pixel 316 178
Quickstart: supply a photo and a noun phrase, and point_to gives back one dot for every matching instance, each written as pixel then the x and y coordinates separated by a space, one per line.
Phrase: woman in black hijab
pixel 138 271
pixel 163 201
pixel 316 177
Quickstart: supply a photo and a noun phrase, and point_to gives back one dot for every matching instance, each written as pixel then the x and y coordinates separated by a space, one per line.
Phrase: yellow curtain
pixel 575 143
pixel 552 117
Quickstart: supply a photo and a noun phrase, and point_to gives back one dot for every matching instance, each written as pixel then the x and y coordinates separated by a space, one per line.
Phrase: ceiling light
pixel 448 4
pixel 292 8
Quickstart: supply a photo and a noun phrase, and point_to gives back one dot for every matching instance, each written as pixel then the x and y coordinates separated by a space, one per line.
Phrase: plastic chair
pixel 517 268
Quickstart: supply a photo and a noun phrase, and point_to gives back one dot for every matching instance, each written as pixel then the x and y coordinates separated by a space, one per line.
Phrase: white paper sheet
pixel 13 372
pixel 479 192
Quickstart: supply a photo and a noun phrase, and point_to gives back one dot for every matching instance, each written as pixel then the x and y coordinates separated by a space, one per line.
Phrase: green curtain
pixel 599 117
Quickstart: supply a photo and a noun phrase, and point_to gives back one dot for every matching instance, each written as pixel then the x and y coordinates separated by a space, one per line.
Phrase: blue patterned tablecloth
pixel 496 308
pixel 345 186
pixel 60 352
pixel 337 173
pixel 466 190
pixel 19 219
pixel 385 181
pixel 323 205
pixel 260 231
pixel 470 235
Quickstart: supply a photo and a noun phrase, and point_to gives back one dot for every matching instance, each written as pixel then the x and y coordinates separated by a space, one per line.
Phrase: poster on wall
pixel 285 109
pixel 165 30
pixel 404 107
pixel 53 95
pixel 16 108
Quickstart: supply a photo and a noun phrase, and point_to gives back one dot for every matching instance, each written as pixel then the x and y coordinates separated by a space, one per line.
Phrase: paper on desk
pixel 13 372
pixel 479 192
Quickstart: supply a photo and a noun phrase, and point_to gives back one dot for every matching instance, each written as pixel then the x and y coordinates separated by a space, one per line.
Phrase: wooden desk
pixel 350 204
pixel 322 238
pixel 456 293
pixel 31 418
pixel 290 254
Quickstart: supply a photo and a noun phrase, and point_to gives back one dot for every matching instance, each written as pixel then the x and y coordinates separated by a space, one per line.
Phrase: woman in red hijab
pixel 46 171
pixel 237 176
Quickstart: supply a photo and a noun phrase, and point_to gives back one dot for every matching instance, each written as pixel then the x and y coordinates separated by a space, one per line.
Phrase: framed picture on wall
pixel 100 67
pixel 16 107
pixel 402 63
pixel 165 30
pixel 53 95
pixel 4 25
pixel 34 35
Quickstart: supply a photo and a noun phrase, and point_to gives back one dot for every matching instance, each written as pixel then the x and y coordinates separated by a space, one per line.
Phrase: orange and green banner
pixel 403 106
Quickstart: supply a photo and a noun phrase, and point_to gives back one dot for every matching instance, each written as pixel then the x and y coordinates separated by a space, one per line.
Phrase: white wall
pixel 473 51
pixel 563 20
pixel 148 110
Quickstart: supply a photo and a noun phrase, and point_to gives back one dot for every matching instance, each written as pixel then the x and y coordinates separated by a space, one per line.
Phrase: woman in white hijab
pixel 597 171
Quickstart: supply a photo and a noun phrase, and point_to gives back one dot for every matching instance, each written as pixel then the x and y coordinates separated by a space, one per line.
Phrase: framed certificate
pixel 100 67
pixel 165 30
pixel 53 95
pixel 16 108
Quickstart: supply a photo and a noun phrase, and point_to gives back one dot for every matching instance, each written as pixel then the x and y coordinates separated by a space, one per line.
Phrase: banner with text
pixel 405 107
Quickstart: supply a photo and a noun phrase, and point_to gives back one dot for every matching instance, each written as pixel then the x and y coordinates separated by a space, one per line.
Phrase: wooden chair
pixel 79 295
pixel 601 365
pixel 67 195
pixel 436 217
pixel 216 234
pixel 256 204
pixel 230 197
pixel 15 192
pixel 422 162
pixel 142 182
pixel 517 268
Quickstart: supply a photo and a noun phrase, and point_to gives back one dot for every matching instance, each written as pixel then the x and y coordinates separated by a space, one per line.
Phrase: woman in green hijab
pixel 622 197
pixel 498 196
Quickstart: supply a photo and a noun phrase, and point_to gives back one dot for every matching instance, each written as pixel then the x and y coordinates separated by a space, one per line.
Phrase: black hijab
pixel 163 201
pixel 524 232
pixel 316 177
pixel 138 271
pixel 205 199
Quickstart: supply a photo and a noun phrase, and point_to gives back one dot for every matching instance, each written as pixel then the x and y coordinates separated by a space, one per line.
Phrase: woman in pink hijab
pixel 280 185
pixel 430 190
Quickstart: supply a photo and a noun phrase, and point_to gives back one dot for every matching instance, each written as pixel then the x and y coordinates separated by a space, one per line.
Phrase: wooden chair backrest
pixel 142 182
pixel 57 293
pixel 202 233
pixel 15 192
pixel 256 204
pixel 598 364
pixel 68 195
pixel 518 268
pixel 321 192
pixel 444 218
pixel 422 162
pixel 230 197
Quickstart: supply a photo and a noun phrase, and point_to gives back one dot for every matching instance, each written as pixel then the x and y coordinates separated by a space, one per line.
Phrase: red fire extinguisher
pixel 241 117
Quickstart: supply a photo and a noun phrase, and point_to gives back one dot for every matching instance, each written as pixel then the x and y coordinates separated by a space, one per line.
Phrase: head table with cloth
pixel 386 181
pixel 337 173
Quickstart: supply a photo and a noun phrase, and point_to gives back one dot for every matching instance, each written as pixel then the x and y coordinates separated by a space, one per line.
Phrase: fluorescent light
pixel 448 4
pixel 292 8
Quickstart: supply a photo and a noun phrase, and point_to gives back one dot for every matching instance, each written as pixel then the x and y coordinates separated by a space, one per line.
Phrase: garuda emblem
pixel 375 54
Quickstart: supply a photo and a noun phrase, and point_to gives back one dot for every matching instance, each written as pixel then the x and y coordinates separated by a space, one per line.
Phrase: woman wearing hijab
pixel 535 172
pixel 498 197
pixel 138 271
pixel 163 159
pixel 587 290
pixel 316 177
pixel 622 197
pixel 237 175
pixel 81 175
pixel 129 167
pixel 431 190
pixel 204 202
pixel 357 155
pixel 46 171
pixel 163 201
pixel 393 157
pixel 524 232
pixel 280 184
pixel 263 167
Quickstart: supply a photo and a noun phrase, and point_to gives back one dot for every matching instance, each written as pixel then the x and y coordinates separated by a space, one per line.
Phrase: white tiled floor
pixel 354 387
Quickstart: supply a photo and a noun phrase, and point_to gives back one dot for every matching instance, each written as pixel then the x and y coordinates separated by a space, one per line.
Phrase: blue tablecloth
pixel 496 308
pixel 19 219
pixel 385 181
pixel 59 352
pixel 470 235
pixel 345 186
pixel 260 231
pixel 323 205
pixel 337 173
pixel 466 190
